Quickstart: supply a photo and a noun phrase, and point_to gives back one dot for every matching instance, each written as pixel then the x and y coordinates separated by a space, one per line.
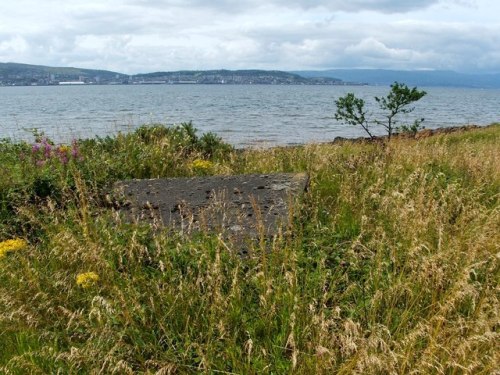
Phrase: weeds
pixel 392 266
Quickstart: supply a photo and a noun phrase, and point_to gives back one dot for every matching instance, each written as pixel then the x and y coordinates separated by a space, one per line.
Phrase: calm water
pixel 242 115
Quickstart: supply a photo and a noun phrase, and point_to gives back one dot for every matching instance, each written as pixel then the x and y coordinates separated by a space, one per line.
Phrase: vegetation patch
pixel 392 266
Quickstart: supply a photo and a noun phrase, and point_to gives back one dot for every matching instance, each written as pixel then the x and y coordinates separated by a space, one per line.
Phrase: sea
pixel 243 115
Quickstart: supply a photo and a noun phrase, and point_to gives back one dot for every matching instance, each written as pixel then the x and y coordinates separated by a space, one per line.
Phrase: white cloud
pixel 15 45
pixel 145 35
pixel 230 6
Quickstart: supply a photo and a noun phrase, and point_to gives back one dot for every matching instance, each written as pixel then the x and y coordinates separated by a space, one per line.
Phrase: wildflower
pixel 202 165
pixel 87 279
pixel 11 245
pixel 63 149
pixel 62 152
pixel 41 151
pixel 44 152
pixel 75 152
pixel 47 148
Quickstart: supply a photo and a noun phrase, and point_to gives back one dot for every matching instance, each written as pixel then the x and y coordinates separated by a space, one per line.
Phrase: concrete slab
pixel 241 206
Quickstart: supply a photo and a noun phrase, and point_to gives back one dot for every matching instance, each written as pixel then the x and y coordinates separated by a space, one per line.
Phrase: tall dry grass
pixel 391 268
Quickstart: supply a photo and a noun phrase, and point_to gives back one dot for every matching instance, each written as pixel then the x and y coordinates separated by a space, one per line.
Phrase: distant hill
pixel 250 76
pixel 26 74
pixel 14 73
pixel 442 78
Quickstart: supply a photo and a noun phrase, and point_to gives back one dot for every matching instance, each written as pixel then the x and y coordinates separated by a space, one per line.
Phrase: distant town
pixel 13 74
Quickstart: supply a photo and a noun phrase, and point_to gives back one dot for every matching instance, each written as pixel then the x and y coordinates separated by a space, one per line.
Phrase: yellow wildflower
pixel 201 164
pixel 87 279
pixel 64 149
pixel 11 245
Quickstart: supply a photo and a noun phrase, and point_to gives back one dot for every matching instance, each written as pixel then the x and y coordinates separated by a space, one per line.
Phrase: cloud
pixel 145 35
pixel 13 45
pixel 371 48
pixel 384 6
pixel 230 6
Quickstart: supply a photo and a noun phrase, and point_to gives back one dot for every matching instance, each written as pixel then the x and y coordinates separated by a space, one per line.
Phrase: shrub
pixel 350 109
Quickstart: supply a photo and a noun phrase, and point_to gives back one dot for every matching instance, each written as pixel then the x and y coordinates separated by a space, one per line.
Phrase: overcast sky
pixel 134 36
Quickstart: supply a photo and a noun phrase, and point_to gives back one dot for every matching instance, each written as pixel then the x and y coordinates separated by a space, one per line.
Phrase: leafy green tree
pixel 351 110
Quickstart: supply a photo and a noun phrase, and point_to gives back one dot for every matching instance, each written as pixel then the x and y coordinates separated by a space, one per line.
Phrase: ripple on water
pixel 242 115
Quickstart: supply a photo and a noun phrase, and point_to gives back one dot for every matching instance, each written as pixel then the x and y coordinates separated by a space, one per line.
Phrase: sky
pixel 140 36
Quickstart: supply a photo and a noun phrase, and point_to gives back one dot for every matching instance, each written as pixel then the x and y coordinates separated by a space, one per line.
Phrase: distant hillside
pixel 14 74
pixel 19 74
pixel 414 78
pixel 232 77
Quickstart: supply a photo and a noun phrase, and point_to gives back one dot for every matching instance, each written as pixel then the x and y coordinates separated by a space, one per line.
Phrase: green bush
pixel 351 110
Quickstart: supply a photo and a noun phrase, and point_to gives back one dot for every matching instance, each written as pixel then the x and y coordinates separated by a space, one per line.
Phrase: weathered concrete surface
pixel 240 206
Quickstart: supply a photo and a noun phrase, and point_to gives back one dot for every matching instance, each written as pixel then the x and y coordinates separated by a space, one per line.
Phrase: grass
pixel 392 267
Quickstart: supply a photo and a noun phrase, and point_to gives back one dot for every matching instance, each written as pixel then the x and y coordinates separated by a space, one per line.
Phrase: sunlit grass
pixel 391 265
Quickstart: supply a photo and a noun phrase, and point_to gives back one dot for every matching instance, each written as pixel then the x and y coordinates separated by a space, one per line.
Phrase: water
pixel 242 115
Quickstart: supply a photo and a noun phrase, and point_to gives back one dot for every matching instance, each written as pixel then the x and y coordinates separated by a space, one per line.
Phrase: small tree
pixel 350 109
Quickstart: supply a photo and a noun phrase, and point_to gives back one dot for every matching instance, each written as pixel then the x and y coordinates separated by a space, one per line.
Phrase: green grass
pixel 392 265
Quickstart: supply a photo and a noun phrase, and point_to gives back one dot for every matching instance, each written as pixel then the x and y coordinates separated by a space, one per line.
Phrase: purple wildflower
pixel 74 149
pixel 47 148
